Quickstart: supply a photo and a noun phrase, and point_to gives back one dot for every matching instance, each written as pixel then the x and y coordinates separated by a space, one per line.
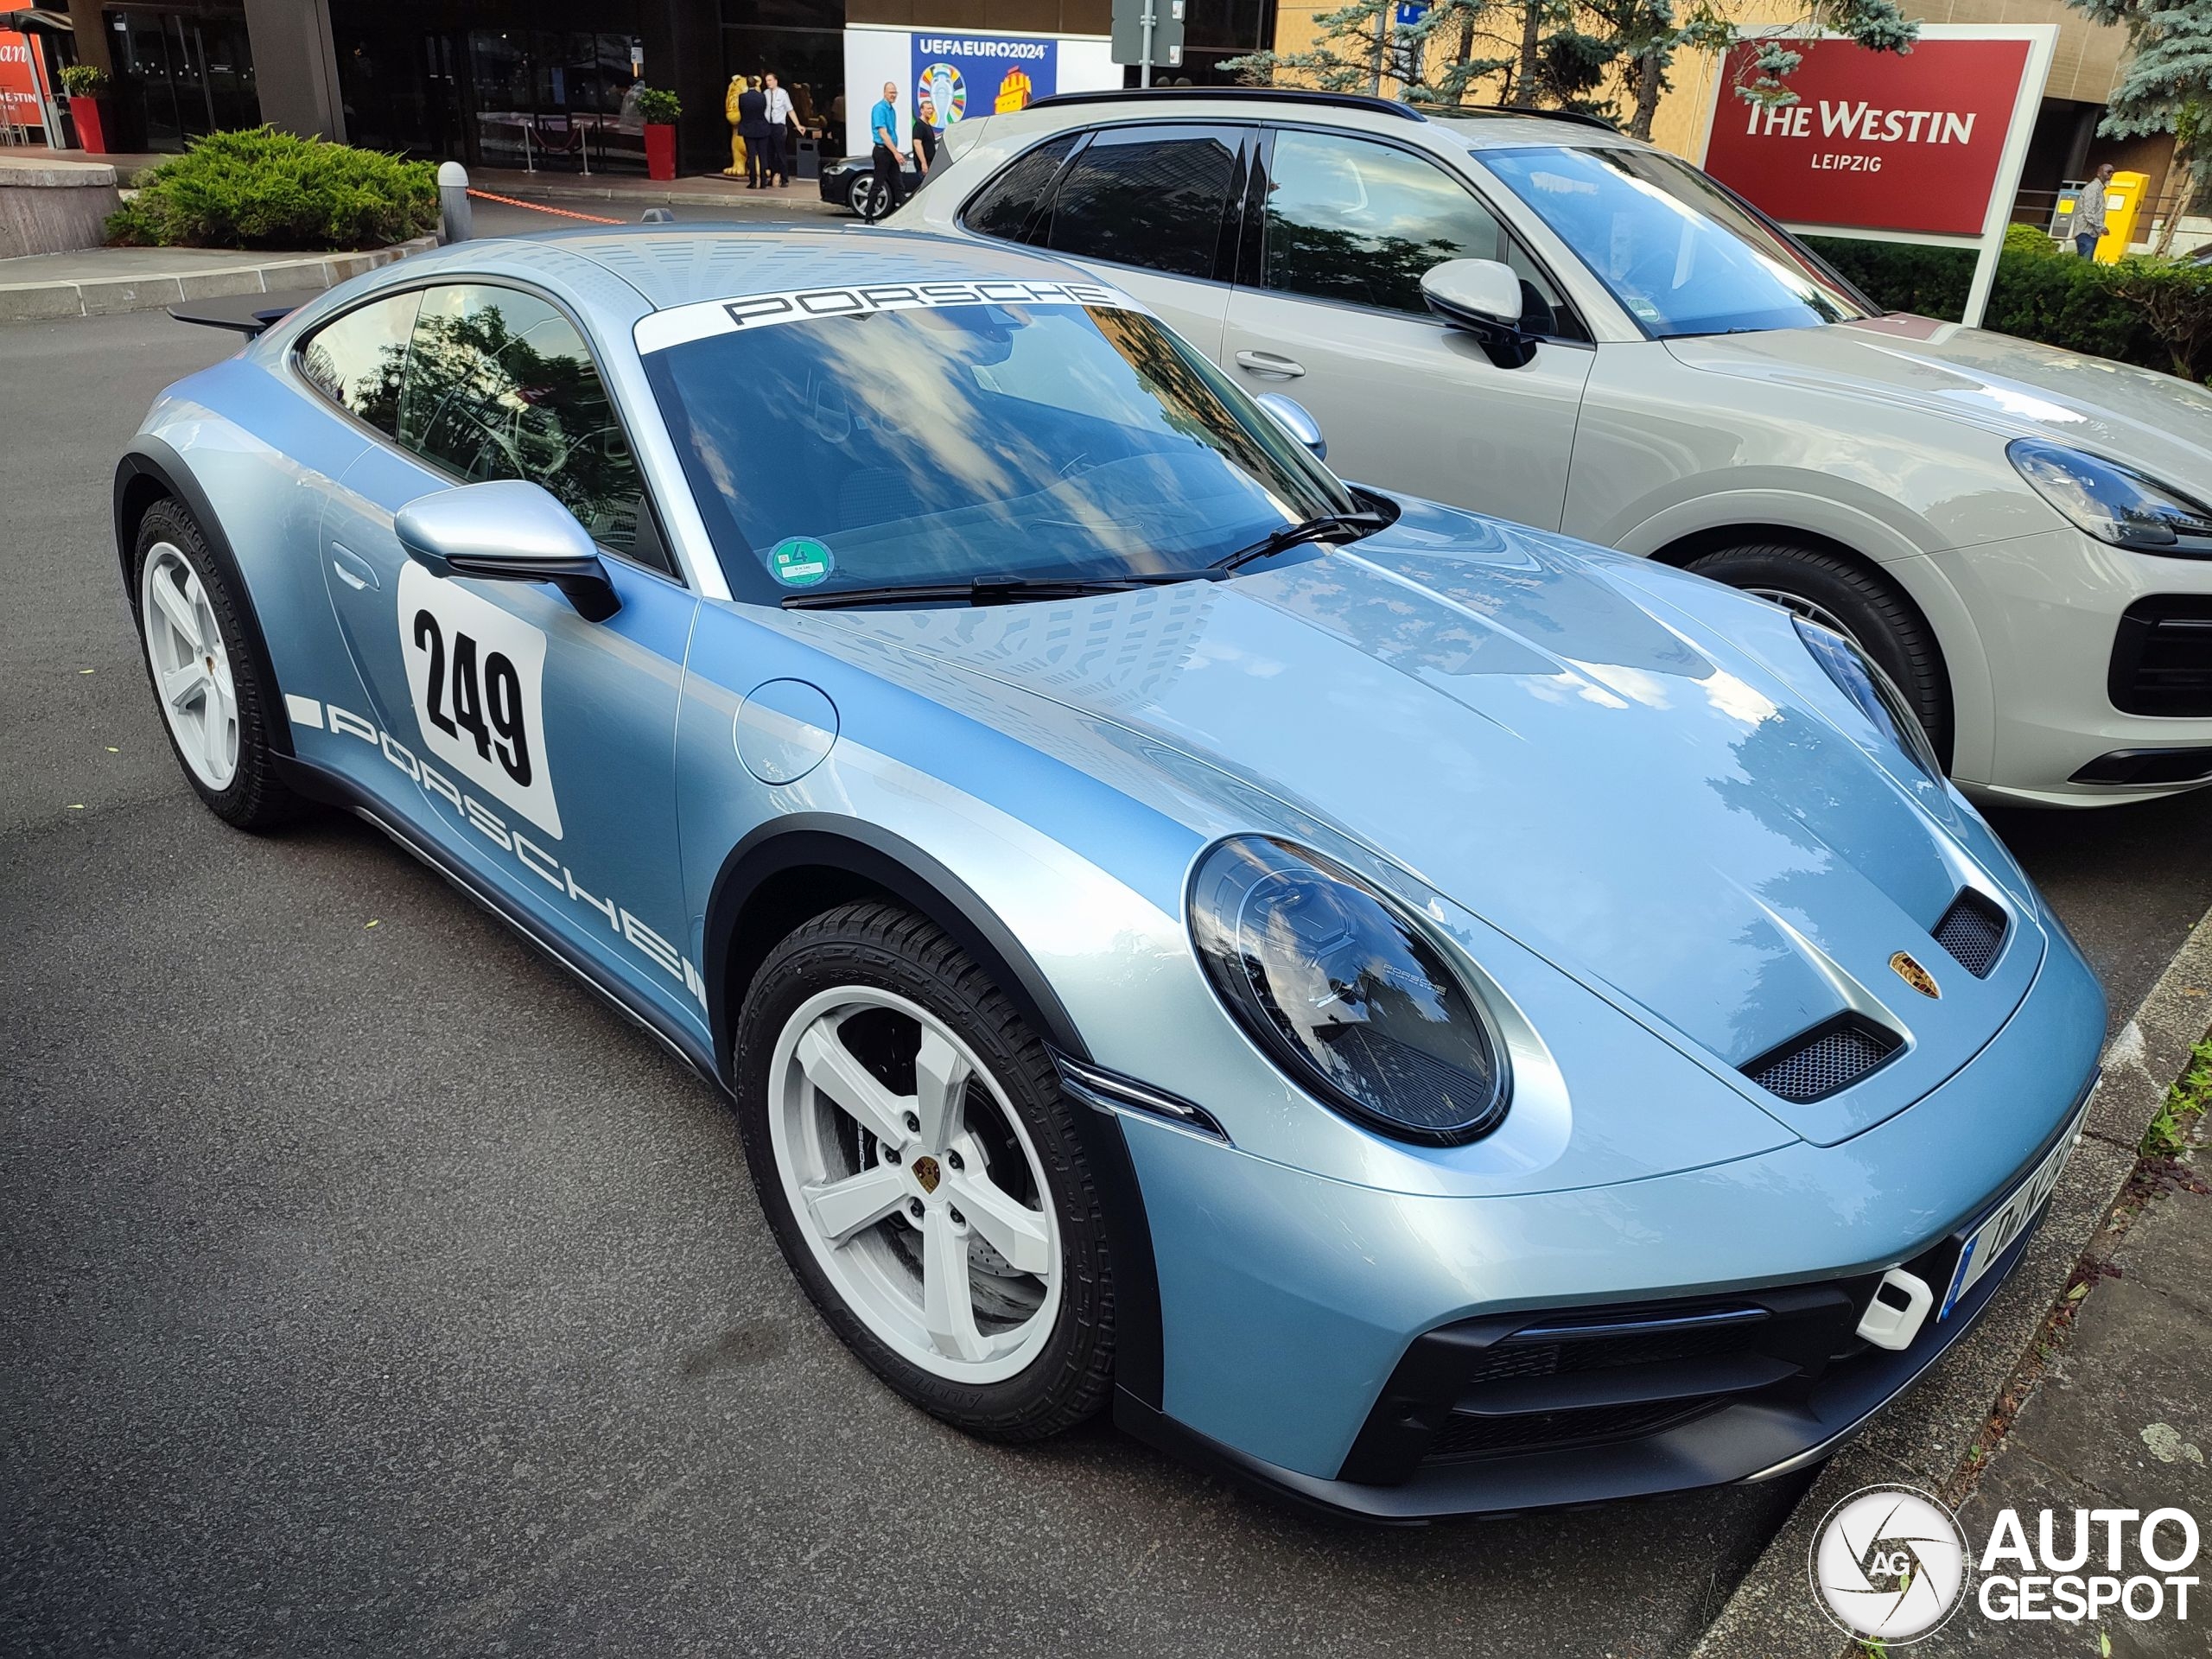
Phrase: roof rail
pixel 1574 118
pixel 1273 94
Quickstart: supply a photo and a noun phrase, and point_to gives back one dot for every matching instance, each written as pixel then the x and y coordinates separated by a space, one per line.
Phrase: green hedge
pixel 262 188
pixel 2154 313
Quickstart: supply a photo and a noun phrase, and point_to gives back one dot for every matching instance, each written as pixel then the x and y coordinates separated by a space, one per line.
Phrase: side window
pixel 1004 208
pixel 1359 222
pixel 1148 196
pixel 499 385
pixel 358 361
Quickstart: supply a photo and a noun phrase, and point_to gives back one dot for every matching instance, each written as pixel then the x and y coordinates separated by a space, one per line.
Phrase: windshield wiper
pixel 984 590
pixel 1352 524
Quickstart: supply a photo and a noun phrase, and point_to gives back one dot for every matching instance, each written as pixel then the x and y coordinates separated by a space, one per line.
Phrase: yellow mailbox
pixel 2124 193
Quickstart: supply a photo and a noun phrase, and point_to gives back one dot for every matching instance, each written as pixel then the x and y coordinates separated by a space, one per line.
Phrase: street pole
pixel 1144 69
pixel 1382 39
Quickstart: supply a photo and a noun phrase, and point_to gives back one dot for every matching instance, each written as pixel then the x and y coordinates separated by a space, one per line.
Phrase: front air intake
pixel 1832 1055
pixel 1973 930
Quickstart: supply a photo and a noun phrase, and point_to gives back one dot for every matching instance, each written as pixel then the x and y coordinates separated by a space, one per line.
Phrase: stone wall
pixel 50 206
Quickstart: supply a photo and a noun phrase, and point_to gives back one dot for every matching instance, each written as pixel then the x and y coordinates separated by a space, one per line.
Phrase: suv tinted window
pixel 358 361
pixel 1148 196
pixel 1003 209
pixel 499 385
pixel 1359 222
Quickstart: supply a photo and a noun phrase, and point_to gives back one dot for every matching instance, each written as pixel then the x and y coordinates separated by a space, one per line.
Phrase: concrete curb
pixel 40 302
pixel 1924 1439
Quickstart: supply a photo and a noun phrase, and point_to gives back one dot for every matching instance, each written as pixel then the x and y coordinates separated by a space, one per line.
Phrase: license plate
pixel 1989 1241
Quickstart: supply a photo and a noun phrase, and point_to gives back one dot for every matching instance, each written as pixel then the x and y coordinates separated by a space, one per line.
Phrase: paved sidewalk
pixel 100 281
pixel 627 188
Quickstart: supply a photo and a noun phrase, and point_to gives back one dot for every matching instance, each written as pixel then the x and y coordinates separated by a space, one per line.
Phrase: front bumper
pixel 2068 726
pixel 1297 1313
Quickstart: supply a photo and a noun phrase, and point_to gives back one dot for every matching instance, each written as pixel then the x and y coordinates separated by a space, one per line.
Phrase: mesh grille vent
pixel 1464 1437
pixel 1972 930
pixel 1819 1062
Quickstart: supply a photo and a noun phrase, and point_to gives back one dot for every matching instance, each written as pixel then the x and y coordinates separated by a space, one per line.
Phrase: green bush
pixel 262 188
pixel 83 81
pixel 657 107
pixel 2156 313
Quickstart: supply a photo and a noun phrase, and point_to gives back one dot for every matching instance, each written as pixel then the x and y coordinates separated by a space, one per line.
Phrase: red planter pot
pixel 660 151
pixel 90 129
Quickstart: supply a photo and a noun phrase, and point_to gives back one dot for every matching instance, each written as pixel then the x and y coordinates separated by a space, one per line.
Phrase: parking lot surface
pixel 366 1284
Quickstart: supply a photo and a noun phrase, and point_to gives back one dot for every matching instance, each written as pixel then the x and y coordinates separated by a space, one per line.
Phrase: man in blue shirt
pixel 890 159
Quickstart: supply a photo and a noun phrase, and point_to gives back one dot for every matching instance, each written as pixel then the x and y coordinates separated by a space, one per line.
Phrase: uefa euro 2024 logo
pixel 1889 1564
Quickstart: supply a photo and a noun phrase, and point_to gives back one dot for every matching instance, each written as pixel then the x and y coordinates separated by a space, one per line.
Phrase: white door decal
pixel 476 676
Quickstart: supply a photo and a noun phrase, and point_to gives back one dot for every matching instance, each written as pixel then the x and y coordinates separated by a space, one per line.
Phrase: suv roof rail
pixel 1285 95
pixel 1576 118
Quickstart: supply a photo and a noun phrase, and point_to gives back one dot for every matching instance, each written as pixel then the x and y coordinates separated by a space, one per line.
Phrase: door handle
pixel 1283 368
pixel 352 569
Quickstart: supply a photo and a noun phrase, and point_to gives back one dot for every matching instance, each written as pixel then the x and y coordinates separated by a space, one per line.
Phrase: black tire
pixel 1886 625
pixel 255 798
pixel 885 947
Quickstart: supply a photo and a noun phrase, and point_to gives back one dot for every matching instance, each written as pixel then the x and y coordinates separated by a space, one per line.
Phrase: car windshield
pixel 1680 252
pixel 993 443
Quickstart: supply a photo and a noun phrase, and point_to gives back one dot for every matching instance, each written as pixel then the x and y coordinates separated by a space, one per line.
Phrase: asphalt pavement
pixel 366 1284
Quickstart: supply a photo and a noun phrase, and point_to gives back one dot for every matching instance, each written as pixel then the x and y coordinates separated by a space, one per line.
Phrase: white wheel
pixel 191 665
pixel 914 1184
pixel 862 197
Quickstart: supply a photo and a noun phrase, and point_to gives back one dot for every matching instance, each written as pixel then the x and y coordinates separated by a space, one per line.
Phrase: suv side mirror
pixel 1483 297
pixel 508 530
pixel 1297 420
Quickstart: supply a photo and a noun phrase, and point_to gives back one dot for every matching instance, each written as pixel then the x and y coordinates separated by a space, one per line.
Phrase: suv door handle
pixel 1283 368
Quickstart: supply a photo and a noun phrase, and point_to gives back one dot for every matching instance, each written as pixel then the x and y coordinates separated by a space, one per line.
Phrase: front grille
pixel 1464 1437
pixel 1972 930
pixel 1521 1356
pixel 1815 1063
pixel 2162 657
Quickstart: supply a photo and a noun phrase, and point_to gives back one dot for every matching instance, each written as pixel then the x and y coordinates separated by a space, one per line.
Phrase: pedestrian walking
pixel 780 119
pixel 752 127
pixel 890 160
pixel 2089 214
pixel 925 142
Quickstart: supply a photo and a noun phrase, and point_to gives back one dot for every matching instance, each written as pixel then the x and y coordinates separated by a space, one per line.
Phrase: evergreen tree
pixel 2165 87
pixel 1560 53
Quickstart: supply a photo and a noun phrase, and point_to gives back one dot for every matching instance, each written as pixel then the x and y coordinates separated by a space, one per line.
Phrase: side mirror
pixel 1483 297
pixel 1293 417
pixel 508 531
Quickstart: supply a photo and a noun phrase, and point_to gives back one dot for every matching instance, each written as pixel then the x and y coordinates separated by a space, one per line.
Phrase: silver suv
pixel 1537 318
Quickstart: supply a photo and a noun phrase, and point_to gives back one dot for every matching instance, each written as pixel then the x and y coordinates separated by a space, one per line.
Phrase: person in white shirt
pixel 779 130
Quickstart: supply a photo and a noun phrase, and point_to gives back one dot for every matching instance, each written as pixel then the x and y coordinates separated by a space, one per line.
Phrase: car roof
pixel 671 265
pixel 1475 127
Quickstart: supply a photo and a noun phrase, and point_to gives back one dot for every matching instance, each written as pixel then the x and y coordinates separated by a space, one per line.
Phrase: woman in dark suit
pixel 752 127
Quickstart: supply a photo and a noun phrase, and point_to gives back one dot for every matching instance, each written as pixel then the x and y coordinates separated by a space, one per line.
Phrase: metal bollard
pixel 457 216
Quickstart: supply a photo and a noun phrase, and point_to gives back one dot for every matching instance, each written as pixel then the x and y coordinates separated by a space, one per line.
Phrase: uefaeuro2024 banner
pixel 956 76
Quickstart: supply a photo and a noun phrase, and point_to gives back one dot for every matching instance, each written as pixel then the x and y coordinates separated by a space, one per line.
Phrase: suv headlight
pixel 1860 677
pixel 1345 993
pixel 2114 503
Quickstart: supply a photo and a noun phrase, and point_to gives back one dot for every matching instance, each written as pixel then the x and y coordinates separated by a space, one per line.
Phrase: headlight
pixel 1345 993
pixel 1860 677
pixel 2115 503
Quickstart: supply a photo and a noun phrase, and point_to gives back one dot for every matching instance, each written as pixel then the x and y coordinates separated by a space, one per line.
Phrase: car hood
pixel 2010 387
pixel 1541 736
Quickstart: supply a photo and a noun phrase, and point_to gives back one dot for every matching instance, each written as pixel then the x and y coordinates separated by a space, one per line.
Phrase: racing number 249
pixel 492 691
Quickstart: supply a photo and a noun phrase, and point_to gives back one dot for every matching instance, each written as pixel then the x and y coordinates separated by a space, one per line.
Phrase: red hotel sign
pixel 18 90
pixel 1876 141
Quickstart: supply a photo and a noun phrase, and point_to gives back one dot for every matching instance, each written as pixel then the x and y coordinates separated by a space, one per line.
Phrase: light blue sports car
pixel 1433 1017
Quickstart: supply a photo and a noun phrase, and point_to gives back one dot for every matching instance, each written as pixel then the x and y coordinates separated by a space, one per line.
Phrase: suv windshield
pixel 1679 251
pixel 990 442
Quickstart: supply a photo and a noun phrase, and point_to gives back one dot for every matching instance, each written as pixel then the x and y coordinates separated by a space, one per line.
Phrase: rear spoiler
pixel 244 314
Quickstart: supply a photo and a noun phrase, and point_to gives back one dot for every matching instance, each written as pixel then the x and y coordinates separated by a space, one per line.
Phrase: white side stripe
pixel 304 711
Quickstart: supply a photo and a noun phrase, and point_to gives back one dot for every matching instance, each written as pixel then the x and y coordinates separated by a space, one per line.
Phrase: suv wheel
pixel 1856 602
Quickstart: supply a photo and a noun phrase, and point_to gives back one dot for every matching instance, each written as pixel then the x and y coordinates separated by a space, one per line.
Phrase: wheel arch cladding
pixel 796 868
pixel 150 473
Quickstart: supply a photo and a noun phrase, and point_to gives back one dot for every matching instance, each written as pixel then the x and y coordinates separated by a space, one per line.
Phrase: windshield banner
pixel 1876 141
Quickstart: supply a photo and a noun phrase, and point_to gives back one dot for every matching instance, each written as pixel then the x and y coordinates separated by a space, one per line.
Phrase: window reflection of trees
pixel 490 400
